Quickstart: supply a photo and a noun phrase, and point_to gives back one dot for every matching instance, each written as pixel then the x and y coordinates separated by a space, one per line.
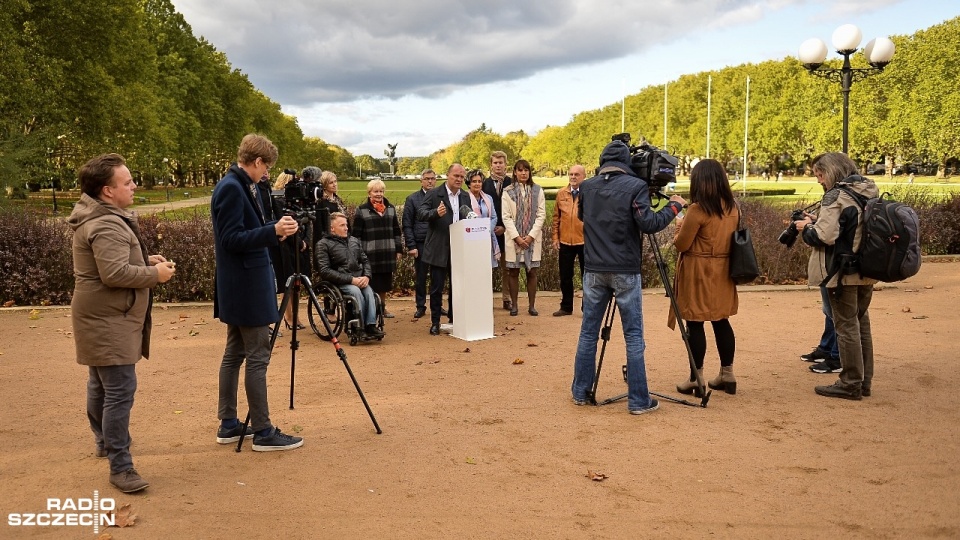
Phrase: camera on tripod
pixel 299 198
pixel 300 195
pixel 654 166
pixel 789 235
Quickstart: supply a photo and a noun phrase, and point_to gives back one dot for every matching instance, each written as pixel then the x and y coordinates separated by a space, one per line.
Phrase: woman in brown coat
pixel 702 286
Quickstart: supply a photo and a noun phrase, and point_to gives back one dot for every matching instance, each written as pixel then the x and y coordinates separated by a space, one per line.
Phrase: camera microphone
pixel 467 213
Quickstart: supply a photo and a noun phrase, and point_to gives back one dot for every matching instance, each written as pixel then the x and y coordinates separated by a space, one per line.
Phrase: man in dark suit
pixel 440 208
pixel 414 236
pixel 245 292
pixel 494 187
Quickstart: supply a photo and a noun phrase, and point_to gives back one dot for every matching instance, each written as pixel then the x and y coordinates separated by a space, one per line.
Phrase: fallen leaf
pixel 919 316
pixel 177 412
pixel 10 303
pixel 297 428
pixel 194 332
pixel 518 361
pixel 928 286
pixel 467 349
pixel 911 290
pixel 471 461
pixel 532 345
pixel 240 484
pixel 183 316
pixel 906 309
pixel 34 315
pixel 124 516
pixel 105 536
pixel 596 476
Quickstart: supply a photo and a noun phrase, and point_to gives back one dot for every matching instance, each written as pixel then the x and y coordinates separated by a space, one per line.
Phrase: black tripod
pixel 701 390
pixel 292 294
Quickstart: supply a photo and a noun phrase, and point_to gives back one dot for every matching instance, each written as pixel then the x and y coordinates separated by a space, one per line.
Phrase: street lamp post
pixel 846 40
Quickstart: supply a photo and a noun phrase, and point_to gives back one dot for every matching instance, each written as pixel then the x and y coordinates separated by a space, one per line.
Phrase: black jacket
pixel 340 259
pixel 615 209
pixel 414 230
pixel 490 188
pixel 436 249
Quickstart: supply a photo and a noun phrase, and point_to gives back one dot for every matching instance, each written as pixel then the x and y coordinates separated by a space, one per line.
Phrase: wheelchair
pixel 342 313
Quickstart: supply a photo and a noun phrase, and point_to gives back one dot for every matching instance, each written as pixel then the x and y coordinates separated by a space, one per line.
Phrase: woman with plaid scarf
pixel 524 212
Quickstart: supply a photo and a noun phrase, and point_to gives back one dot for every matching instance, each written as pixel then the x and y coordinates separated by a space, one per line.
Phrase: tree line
pixel 129 76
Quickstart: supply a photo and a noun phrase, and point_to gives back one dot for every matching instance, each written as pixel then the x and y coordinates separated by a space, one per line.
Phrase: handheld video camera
pixel 654 166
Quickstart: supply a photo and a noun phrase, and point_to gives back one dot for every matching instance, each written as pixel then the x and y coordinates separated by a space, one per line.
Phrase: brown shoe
pixel 561 313
pixel 128 481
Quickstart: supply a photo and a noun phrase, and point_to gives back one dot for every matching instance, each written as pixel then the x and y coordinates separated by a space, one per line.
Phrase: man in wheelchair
pixel 342 262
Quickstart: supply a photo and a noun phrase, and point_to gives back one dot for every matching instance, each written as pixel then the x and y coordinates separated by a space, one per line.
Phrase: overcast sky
pixel 423 73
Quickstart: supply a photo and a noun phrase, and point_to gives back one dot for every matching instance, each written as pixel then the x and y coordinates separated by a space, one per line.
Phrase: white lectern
pixel 471 278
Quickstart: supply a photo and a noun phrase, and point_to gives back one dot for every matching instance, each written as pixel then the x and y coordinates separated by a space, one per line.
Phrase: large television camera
pixel 300 195
pixel 654 166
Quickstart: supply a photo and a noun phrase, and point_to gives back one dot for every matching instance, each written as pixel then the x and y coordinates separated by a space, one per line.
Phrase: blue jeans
pixel 597 290
pixel 364 299
pixel 828 341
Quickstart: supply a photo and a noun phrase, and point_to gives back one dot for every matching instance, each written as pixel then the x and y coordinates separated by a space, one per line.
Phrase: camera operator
pixel 615 209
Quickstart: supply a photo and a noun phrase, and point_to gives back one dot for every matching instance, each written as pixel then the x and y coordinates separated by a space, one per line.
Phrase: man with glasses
pixel 414 236
pixel 494 187
pixel 245 292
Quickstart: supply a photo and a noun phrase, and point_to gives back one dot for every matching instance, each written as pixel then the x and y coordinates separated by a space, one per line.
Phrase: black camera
pixel 654 166
pixel 790 234
pixel 300 195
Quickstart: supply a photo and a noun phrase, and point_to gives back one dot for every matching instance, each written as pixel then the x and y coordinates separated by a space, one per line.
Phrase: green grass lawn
pixel 355 191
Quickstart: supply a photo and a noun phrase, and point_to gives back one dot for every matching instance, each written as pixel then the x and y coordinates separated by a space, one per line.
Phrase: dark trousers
pixel 250 343
pixel 566 257
pixel 110 391
pixel 726 341
pixel 438 278
pixel 421 269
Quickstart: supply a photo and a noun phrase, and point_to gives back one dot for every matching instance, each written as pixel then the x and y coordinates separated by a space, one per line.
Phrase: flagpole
pixel 709 90
pixel 746 123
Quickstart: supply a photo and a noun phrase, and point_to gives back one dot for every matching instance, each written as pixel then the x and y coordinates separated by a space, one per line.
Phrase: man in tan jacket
pixel 568 237
pixel 111 306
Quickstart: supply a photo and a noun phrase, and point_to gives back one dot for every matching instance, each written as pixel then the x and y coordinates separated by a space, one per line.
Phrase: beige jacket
pixel 111 297
pixel 510 215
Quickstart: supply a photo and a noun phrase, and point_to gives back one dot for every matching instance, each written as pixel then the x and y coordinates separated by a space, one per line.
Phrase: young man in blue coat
pixel 245 292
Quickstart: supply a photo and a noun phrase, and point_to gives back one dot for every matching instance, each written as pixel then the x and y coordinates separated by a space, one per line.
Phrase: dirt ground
pixel 476 445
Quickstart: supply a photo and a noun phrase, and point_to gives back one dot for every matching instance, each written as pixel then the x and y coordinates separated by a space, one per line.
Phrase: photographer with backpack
pixel 835 234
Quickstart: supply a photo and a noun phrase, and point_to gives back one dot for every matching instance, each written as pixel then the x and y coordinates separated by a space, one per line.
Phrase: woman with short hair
pixel 377 226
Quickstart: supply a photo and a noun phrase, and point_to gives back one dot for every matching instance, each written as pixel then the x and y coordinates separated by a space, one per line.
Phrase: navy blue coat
pixel 245 291
pixel 414 230
pixel 436 250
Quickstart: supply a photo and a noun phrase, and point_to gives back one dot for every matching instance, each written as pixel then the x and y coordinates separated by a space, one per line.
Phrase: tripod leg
pixel 605 336
pixel 665 278
pixel 246 422
pixel 340 352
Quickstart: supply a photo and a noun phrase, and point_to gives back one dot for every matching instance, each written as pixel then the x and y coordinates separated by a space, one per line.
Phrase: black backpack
pixel 889 247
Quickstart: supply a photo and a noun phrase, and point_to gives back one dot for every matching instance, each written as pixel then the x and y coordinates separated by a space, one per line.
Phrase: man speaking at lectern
pixel 441 208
